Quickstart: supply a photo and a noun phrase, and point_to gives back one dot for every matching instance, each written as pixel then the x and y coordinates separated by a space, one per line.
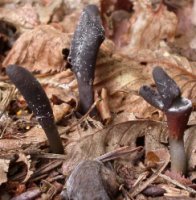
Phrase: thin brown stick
pixel 143 185
pixel 117 153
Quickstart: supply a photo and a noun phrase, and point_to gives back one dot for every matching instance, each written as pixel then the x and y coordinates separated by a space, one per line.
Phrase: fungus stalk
pixel 38 102
pixel 177 119
pixel 85 45
pixel 177 110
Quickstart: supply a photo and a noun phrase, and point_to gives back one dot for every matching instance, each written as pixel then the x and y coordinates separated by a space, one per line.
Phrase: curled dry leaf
pixel 160 25
pixel 162 57
pixel 60 111
pixel 4 166
pixel 39 50
pixel 177 67
pixel 103 106
pixel 27 161
pixel 183 10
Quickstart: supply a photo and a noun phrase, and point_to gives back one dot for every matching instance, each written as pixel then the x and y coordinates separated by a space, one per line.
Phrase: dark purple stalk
pixel 177 110
pixel 38 102
pixel 87 39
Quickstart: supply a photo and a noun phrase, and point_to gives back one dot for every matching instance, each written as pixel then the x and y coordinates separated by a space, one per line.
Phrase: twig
pixel 188 189
pixel 85 116
pixel 118 153
pixel 143 185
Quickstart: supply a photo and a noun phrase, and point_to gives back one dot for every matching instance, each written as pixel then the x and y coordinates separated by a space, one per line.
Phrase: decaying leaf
pixel 39 50
pixel 60 111
pixel 6 94
pixel 4 166
pixel 22 17
pixel 34 136
pixel 46 11
pixel 25 159
pixel 91 143
pixel 149 27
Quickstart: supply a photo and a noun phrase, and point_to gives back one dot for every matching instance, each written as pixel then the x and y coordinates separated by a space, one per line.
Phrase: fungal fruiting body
pixel 86 41
pixel 38 102
pixel 177 110
pixel 177 119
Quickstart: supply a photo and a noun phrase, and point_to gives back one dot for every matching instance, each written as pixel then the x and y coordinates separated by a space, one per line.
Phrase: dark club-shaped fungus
pixel 87 39
pixel 177 110
pixel 38 102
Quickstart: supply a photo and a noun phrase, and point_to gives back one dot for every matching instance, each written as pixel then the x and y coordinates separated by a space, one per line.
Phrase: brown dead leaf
pixel 4 166
pixel 91 143
pixel 60 111
pixel 35 135
pixel 39 50
pixel 22 17
pixel 122 78
pixel 149 27
pixel 69 22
